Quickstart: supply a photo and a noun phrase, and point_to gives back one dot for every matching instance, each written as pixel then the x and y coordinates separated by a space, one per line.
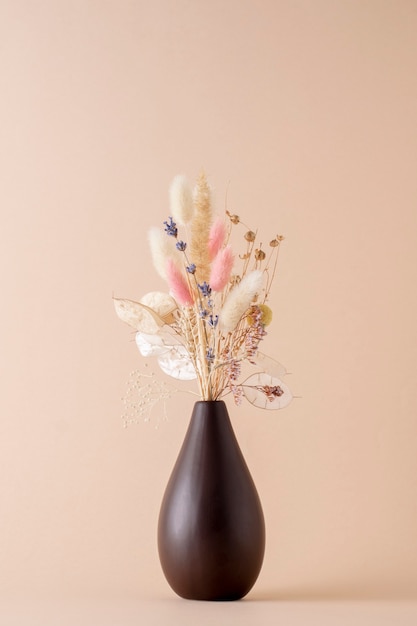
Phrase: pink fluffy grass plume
pixel 221 269
pixel 178 284
pixel 216 237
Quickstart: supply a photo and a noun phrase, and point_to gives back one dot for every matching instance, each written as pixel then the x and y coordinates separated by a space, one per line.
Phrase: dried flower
pixel 162 248
pixel 250 236
pixel 200 229
pixel 178 285
pixel 221 269
pixel 163 304
pixel 171 228
pixel 240 299
pixel 212 321
pixel 264 312
pixel 216 237
pixel 271 392
pixel 205 289
pixel 235 219
pixel 275 242
pixel 181 200
pixel 255 333
pixel 259 254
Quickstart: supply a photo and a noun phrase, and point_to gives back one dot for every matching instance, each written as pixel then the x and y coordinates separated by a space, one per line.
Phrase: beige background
pixel 305 111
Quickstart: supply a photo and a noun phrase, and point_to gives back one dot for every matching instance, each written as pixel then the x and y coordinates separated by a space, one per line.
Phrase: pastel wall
pixel 303 112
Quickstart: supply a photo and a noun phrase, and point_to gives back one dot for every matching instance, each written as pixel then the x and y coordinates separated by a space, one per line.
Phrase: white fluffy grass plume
pixel 181 200
pixel 162 249
pixel 239 300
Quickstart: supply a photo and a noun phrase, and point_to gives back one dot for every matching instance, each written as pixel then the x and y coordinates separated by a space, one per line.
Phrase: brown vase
pixel 211 532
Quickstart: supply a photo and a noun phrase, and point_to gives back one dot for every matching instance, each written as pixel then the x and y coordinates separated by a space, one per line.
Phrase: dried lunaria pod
pixel 269 365
pixel 153 311
pixel 151 345
pixel 162 304
pixel 138 315
pixel 177 364
pixel 266 392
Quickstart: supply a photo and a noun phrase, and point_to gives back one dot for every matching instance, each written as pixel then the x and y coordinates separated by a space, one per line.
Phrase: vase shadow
pixel 337 593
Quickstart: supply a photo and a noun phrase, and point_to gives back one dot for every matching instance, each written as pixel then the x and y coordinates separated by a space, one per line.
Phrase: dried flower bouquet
pixel 210 324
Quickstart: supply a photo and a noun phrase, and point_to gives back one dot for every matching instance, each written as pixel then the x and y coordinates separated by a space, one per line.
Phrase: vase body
pixel 211 531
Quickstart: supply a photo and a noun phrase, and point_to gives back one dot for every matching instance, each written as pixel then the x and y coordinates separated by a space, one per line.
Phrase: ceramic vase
pixel 211 531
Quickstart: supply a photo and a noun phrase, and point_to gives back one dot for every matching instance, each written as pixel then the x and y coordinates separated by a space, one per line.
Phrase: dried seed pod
pixel 260 312
pixel 259 254
pixel 235 219
pixel 250 235
pixel 274 243
pixel 235 280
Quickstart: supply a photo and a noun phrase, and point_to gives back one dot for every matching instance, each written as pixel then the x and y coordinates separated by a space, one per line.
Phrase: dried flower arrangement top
pixel 210 324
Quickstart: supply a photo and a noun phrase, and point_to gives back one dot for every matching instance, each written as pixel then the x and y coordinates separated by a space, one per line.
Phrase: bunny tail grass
pixel 221 269
pixel 239 300
pixel 181 200
pixel 200 229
